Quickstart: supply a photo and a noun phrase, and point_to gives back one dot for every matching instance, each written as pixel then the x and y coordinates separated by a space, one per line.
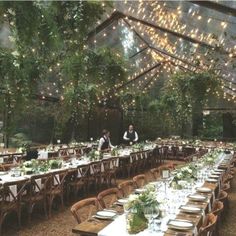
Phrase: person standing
pixel 130 136
pixel 105 142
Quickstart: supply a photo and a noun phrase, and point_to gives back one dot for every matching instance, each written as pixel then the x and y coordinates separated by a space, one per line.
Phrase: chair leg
pixel 50 201
pixel 19 217
pixel 45 208
pixel 1 222
pixel 30 210
pixel 62 200
pixel 75 193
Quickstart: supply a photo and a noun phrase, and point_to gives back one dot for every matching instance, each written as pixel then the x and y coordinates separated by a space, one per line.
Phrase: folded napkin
pixel 56 179
pixel 39 183
pixel 13 189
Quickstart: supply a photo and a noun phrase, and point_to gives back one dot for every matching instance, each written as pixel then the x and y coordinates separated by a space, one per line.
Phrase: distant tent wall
pixel 229 128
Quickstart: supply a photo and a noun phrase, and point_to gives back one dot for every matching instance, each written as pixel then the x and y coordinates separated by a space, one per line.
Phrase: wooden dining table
pixel 92 227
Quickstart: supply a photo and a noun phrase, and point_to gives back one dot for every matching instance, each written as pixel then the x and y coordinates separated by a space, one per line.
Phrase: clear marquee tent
pixel 161 37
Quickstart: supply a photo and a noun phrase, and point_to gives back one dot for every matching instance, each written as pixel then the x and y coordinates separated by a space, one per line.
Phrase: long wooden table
pixel 93 227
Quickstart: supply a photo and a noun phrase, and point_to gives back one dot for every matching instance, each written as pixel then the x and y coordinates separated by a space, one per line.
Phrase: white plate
pixel 212 180
pixel 140 190
pixel 190 209
pixel 216 173
pixel 105 214
pixel 203 190
pixel 3 172
pixel 197 197
pixel 180 224
pixel 122 201
pixel 213 176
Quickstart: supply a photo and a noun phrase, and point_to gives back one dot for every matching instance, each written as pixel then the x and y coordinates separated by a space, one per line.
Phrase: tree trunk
pixel 197 119
pixel 229 129
pixel 88 125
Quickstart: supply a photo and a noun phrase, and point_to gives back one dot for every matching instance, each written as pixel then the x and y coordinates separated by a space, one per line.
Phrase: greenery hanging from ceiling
pixel 49 41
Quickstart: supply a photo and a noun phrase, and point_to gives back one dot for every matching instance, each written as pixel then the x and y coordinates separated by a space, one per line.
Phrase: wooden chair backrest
pixel 126 187
pixel 58 179
pixel 217 208
pixel 96 167
pixel 139 180
pixel 208 226
pixel 84 209
pixel 13 191
pixel 39 184
pixel 155 173
pixel 107 197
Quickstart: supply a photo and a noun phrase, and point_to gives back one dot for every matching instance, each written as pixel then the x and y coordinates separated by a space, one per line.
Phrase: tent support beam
pixel 217 7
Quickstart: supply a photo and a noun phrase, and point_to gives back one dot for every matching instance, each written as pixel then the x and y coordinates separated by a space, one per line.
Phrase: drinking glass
pixel 155 214
pixel 148 211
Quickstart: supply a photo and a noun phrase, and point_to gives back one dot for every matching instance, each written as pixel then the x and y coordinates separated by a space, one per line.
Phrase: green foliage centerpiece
pixel 183 175
pixel 37 166
pixel 135 218
pixel 210 158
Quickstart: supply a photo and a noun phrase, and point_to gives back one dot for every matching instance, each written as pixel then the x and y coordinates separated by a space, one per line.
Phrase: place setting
pixel 106 214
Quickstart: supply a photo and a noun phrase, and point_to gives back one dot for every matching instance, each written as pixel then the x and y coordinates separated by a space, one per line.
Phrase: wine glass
pixel 148 213
pixel 156 222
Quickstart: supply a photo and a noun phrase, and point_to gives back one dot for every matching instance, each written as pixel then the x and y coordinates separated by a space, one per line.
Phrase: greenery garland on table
pixel 37 166
pixel 183 175
pixel 135 206
pixel 210 158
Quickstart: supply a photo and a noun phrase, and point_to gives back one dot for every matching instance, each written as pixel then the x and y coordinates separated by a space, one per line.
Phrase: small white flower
pixel 133 197
pixel 96 153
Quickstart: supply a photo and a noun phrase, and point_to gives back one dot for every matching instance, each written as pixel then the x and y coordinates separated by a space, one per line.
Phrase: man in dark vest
pixel 130 136
pixel 104 142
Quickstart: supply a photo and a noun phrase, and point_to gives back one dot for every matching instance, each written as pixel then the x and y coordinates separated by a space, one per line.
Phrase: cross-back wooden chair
pixel 155 173
pixel 154 158
pixel 79 152
pixel 217 207
pixel 124 166
pixel 217 210
pixel 96 171
pixel 109 171
pixel 208 227
pixel 63 152
pixel 174 150
pixel 223 197
pixel 108 197
pixel 56 188
pixel 126 187
pixel 79 179
pixel 37 193
pixel 139 180
pixel 84 209
pixel 164 152
pixel 10 199
pixel 133 164
pixel 226 187
pixel 145 160
pixel 140 162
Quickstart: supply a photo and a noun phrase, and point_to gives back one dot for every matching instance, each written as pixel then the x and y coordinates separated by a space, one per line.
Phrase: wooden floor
pixel 62 221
